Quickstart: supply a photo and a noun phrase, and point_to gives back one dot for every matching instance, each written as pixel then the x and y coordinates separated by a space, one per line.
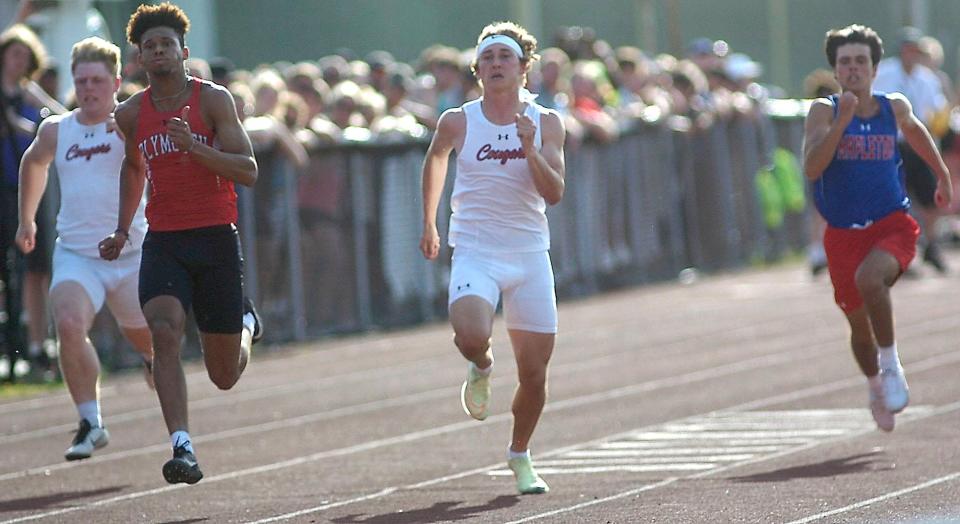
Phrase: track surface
pixel 733 399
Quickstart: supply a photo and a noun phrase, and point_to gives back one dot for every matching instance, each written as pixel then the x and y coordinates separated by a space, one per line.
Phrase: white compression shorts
pixel 114 282
pixel 524 279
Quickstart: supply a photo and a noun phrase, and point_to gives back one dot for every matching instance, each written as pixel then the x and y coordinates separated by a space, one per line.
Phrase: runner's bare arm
pixel 33 181
pixel 449 133
pixel 132 179
pixel 920 140
pixel 234 160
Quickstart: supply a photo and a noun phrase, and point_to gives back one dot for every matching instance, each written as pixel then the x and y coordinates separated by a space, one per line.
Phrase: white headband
pixel 500 39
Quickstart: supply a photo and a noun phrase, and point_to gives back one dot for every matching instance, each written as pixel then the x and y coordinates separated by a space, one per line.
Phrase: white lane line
pixel 630 493
pixel 678 466
pixel 931 413
pixel 644 387
pixel 881 498
pixel 667 459
pixel 755 435
pixel 685 452
pixel 687 443
pixel 687 378
pixel 418 365
pixel 634 450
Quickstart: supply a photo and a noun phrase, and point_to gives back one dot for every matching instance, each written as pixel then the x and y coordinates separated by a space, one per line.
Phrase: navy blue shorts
pixel 201 267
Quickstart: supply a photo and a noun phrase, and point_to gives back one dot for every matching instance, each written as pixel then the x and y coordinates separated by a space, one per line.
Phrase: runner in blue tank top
pixel 850 156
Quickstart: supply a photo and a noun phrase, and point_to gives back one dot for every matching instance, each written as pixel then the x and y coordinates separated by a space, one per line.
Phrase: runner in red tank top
pixel 183 135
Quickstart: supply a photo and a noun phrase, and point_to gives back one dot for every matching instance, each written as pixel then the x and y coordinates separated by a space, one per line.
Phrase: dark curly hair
pixel 853 34
pixel 147 17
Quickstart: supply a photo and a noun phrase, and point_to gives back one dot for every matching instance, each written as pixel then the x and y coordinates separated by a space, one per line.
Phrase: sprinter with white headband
pixel 509 167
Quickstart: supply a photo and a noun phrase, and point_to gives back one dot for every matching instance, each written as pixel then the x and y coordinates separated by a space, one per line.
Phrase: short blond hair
pixel 96 49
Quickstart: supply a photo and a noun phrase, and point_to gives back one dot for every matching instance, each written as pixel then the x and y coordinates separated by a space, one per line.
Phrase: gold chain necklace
pixel 156 99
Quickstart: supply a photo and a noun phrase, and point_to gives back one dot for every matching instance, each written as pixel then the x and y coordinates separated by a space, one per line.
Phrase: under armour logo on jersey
pixel 503 137
pixel 865 127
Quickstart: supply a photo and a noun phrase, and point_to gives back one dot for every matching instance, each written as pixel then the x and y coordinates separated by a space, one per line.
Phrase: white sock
pixel 249 322
pixel 181 438
pixel 90 410
pixel 485 372
pixel 888 357
pixel 511 454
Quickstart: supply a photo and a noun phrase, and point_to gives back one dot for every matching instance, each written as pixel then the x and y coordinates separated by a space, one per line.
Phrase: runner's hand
pixel 111 246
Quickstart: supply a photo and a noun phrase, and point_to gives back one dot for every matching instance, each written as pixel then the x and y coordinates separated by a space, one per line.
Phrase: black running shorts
pixel 920 182
pixel 200 267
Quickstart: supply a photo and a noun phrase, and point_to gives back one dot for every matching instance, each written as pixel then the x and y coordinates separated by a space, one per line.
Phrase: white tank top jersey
pixel 496 206
pixel 88 162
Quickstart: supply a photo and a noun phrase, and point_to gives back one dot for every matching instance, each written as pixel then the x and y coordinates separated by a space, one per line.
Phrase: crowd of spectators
pixel 298 110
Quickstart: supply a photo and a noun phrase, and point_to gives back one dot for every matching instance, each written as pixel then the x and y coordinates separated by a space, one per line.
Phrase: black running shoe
pixel 248 308
pixel 182 467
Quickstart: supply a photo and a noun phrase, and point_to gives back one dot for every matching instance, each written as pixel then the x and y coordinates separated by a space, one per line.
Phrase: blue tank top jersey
pixel 864 182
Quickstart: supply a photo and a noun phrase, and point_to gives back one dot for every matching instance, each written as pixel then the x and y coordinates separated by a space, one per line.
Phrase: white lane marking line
pixel 630 493
pixel 931 413
pixel 881 498
pixel 568 460
pixel 662 383
pixel 787 422
pixel 679 466
pixel 313 384
pixel 695 376
pixel 330 505
pixel 747 365
pixel 632 449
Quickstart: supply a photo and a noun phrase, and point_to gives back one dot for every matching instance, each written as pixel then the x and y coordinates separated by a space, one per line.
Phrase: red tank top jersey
pixel 183 193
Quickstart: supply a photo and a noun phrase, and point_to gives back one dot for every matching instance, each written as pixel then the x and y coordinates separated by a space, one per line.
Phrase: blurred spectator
pixel 591 89
pixel 267 125
pixel 380 63
pixel 639 95
pixel 443 63
pixel 198 67
pixel 221 70
pixel 304 79
pixel 931 55
pixel 397 89
pixel 906 74
pixel 333 69
pixel 23 103
pixel 820 83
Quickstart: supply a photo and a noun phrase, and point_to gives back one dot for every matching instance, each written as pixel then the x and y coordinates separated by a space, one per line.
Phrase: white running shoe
pixel 896 394
pixel 884 419
pixel 528 482
pixel 475 393
pixel 87 439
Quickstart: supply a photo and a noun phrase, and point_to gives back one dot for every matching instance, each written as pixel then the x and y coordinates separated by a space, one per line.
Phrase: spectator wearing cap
pixel 906 74
pixel 221 70
pixel 380 62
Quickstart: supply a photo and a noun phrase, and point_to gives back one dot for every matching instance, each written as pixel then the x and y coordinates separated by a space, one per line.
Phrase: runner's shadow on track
pixel 439 512
pixel 829 468
pixel 54 500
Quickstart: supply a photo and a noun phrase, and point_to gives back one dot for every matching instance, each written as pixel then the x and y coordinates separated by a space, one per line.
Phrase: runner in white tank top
pixel 88 162
pixel 496 206
pixel 510 166
pixel 87 152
